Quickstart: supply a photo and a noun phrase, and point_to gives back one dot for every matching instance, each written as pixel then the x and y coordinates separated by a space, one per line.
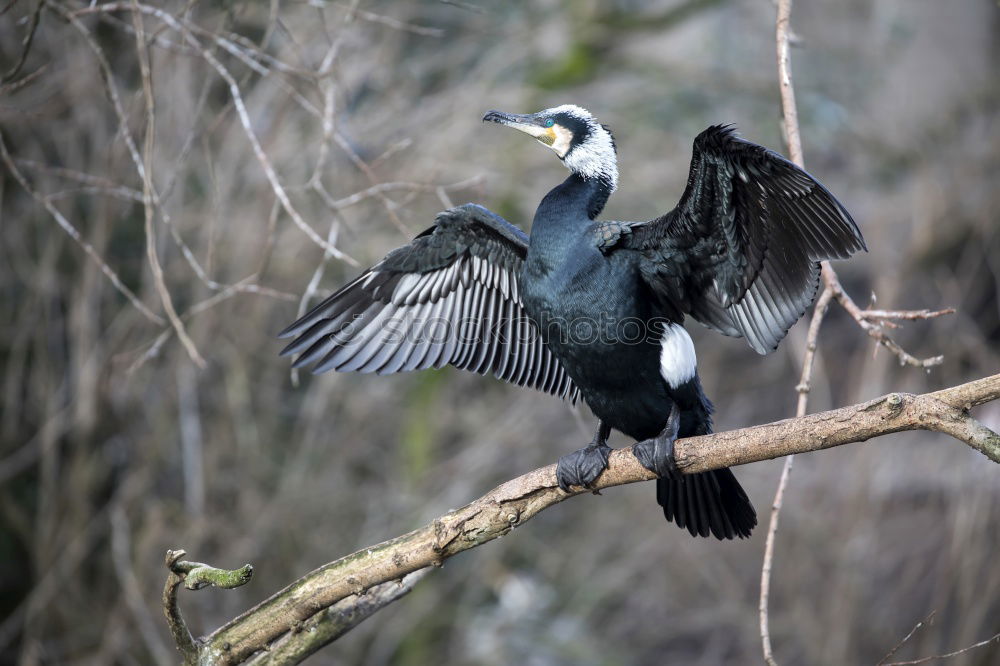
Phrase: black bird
pixel 591 309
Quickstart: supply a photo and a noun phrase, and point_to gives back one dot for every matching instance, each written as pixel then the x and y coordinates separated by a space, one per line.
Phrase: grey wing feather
pixel 450 297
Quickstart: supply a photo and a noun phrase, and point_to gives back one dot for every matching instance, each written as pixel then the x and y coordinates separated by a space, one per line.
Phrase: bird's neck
pixel 563 214
pixel 576 198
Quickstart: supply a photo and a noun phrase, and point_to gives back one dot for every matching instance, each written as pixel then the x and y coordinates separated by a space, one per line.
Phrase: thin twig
pixel 393 23
pixel 948 655
pixel 147 195
pixel 877 332
pixel 241 109
pixel 927 620
pixel 121 555
pixel 803 389
pixel 790 127
pixel 390 206
pixel 73 233
pixel 25 43
pixel 911 315
pixel 243 287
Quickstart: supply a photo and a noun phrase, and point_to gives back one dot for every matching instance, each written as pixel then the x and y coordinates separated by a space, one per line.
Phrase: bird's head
pixel 584 145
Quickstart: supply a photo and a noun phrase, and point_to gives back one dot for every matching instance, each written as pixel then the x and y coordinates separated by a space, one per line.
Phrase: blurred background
pixel 115 445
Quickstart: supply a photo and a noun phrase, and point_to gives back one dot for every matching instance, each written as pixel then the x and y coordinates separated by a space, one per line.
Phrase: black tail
pixel 707 503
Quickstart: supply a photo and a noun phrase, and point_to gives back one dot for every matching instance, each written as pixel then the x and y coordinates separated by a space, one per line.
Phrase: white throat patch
pixel 563 139
pixel 678 363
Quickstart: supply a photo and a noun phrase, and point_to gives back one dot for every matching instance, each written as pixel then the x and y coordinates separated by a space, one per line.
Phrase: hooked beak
pixel 527 123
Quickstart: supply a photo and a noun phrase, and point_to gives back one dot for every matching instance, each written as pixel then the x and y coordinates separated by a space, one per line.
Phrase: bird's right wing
pixel 449 297
pixel 740 253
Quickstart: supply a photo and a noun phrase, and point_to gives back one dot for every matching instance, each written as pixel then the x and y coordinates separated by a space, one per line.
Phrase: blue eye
pixel 550 122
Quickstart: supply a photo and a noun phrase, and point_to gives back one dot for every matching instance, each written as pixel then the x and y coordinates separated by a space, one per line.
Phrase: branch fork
pixel 194 576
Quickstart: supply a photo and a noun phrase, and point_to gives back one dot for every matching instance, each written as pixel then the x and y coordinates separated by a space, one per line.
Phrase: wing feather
pixel 741 251
pixel 449 297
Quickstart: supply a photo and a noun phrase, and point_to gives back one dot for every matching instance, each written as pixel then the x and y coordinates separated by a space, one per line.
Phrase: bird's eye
pixel 550 122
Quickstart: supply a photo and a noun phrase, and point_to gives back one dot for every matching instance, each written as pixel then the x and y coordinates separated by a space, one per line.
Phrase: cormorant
pixel 591 309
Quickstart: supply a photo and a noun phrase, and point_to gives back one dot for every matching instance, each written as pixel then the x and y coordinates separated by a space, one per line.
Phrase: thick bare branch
pixel 327 626
pixel 517 501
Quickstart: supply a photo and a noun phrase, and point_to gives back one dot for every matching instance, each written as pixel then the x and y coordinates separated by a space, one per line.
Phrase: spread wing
pixel 741 251
pixel 451 296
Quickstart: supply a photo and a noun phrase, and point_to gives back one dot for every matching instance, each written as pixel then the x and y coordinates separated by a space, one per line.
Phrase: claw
pixel 657 454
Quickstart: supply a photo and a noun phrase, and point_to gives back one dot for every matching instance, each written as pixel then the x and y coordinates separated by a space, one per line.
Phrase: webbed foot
pixel 582 467
pixel 657 454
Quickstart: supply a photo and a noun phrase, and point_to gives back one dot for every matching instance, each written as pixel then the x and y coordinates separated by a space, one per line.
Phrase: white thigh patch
pixel 678 362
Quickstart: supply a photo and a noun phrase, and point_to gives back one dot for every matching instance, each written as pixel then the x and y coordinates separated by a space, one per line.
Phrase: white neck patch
pixel 595 157
pixel 678 363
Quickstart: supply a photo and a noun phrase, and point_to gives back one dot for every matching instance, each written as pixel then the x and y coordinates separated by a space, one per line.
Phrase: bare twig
pixel 394 186
pixel 927 620
pixel 515 502
pixel 241 110
pixel 790 127
pixel 789 111
pixel 947 655
pixel 911 315
pixel 390 22
pixel 122 557
pixel 269 171
pixel 73 233
pixel 25 43
pixel 390 206
pixel 123 129
pixel 244 286
pixel 876 331
pixel 147 194
pixel 803 388
pixel 238 46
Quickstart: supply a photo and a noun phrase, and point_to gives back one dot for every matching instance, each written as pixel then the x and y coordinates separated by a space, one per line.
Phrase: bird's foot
pixel 582 467
pixel 657 454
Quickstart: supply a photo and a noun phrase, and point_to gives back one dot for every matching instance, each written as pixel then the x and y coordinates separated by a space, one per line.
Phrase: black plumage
pixel 595 309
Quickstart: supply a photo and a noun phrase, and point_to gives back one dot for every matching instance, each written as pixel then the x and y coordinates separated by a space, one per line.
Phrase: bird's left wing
pixel 449 297
pixel 740 253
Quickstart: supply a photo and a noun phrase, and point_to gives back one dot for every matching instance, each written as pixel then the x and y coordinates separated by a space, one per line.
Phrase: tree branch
pixel 876 331
pixel 194 576
pixel 517 501
pixel 327 626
